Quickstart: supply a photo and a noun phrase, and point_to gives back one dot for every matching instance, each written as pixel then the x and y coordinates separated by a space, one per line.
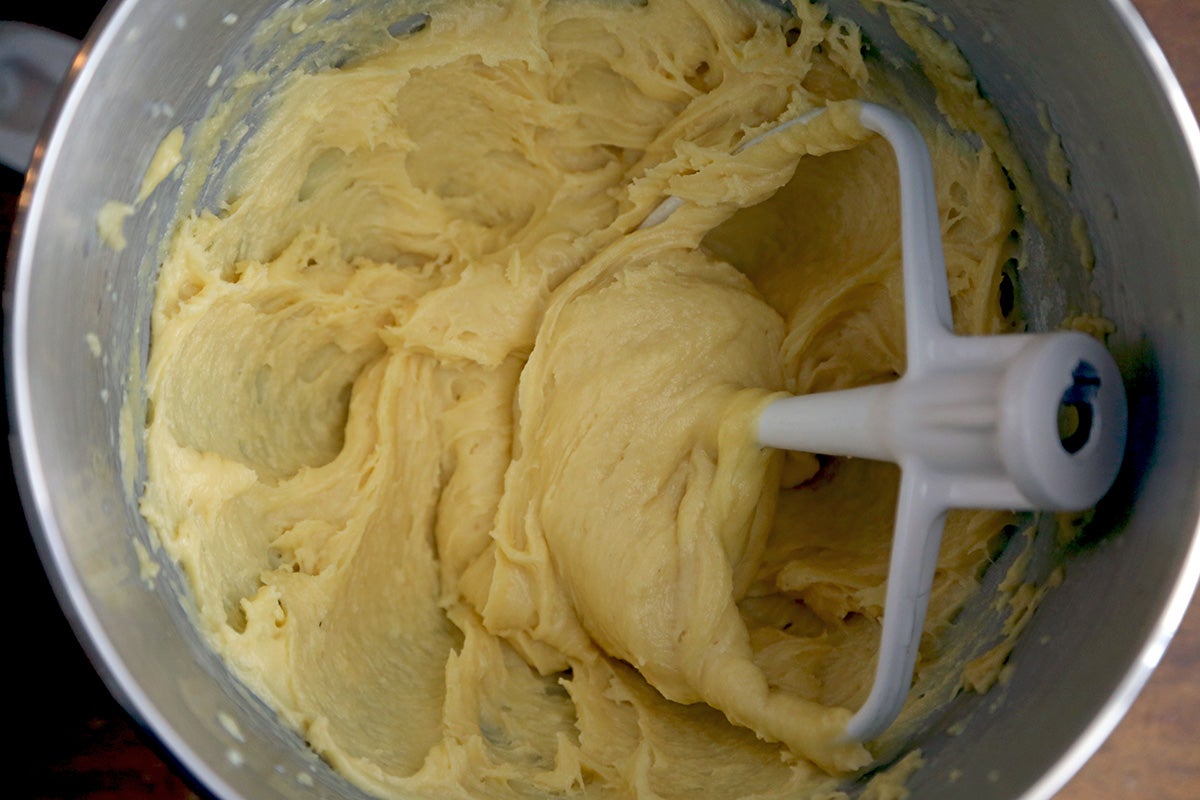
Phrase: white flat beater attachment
pixel 973 423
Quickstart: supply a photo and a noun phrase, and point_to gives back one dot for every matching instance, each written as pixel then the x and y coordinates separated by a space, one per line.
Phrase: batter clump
pixel 460 462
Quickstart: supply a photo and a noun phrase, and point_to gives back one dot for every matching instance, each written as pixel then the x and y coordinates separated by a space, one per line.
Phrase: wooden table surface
pixel 80 744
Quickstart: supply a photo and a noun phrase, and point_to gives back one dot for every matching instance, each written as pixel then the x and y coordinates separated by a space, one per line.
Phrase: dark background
pixel 75 741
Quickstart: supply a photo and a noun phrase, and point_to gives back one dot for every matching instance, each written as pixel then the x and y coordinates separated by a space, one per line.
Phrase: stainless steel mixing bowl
pixel 78 312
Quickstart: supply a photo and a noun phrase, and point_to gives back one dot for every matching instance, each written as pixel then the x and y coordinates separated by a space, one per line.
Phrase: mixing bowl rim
pixel 1155 643
pixel 28 473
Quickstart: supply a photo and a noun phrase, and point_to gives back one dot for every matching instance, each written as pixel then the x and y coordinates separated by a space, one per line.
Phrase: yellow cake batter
pixel 460 463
